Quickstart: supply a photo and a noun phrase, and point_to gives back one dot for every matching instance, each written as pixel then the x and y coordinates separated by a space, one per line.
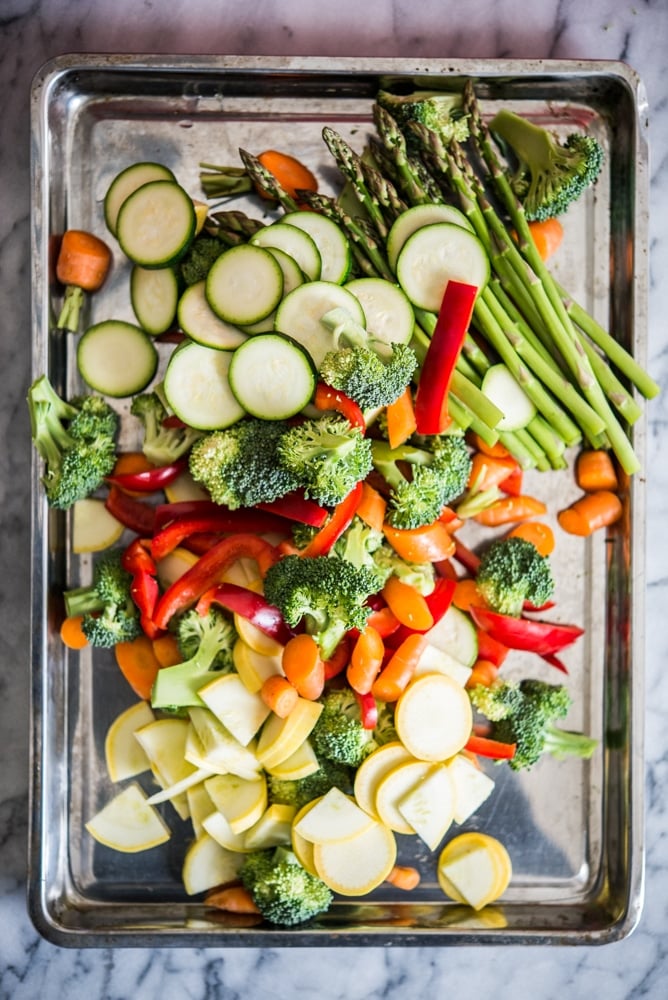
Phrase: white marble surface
pixel 31 31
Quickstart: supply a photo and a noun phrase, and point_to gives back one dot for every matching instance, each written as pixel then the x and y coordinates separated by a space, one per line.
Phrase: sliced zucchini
pixel 156 224
pixel 300 315
pixel 154 293
pixel 126 183
pixel 295 242
pixel 415 218
pixel 116 358
pixel 244 285
pixel 505 392
pixel 293 276
pixel 197 387
pixel 389 314
pixel 436 254
pixel 332 243
pixel 199 321
pixel 272 376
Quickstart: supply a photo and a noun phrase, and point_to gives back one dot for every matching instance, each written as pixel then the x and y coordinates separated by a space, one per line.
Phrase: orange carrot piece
pixel 365 660
pixel 83 260
pixel 594 471
pixel 404 877
pixel 547 235
pixel 72 634
pixel 496 450
pixel 488 471
pixel 510 509
pixel 590 513
pixel 536 532
pixel 397 674
pixel 371 508
pixel 429 543
pixel 138 664
pixel 279 695
pixel 290 172
pixel 483 672
pixel 303 666
pixel 467 595
pixel 408 604
pixel 400 417
pixel 233 899
pixel 166 650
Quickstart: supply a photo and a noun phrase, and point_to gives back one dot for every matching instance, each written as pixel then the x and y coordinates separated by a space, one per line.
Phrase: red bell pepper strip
pixel 137 515
pixel 454 316
pixel 339 520
pixel 222 521
pixel 249 605
pixel 368 709
pixel 208 570
pixel 150 480
pixel 339 659
pixel 491 649
pixel 327 398
pixel 544 638
pixel 466 557
pixel 555 662
pixel 137 557
pixel 144 589
pixel 296 507
pixel 483 746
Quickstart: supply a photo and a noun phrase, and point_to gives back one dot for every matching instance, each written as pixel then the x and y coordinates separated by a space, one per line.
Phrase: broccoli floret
pixel 440 467
pixel 523 713
pixel 550 175
pixel 76 441
pixel 197 262
pixel 512 571
pixel 240 465
pixel 109 613
pixel 327 456
pixel 330 774
pixel 207 642
pixel 358 545
pixel 328 594
pixel 163 443
pixel 385 731
pixel 339 735
pixel 442 113
pixel 283 891
pixel 420 576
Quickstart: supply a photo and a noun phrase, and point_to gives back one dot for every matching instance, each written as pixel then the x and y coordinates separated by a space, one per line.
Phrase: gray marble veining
pixel 31 31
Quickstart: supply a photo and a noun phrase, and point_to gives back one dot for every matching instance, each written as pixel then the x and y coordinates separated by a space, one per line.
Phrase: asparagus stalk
pixel 350 165
pixel 265 180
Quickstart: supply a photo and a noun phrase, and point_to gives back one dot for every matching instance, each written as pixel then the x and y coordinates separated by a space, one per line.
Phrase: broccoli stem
pixel 561 743
pixel 68 318
pixel 82 601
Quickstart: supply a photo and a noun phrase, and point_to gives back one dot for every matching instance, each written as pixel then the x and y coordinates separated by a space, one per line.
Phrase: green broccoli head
pixel 330 774
pixel 550 175
pixel 109 613
pixel 283 891
pixel 328 594
pixel 420 576
pixel 512 571
pixel 199 258
pixel 523 713
pixel 365 377
pixel 94 419
pixel 338 734
pixel 438 111
pixel 240 466
pixel 163 443
pixel 358 545
pixel 327 456
pixel 206 642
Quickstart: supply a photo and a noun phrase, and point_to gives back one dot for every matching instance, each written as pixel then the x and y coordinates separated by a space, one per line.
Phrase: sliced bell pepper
pixel 296 507
pixel 368 709
pixel 136 515
pixel 491 649
pixel 249 605
pixel 144 589
pixel 327 398
pixel 151 479
pixel 219 520
pixel 454 316
pixel 339 520
pixel 483 746
pixel 544 638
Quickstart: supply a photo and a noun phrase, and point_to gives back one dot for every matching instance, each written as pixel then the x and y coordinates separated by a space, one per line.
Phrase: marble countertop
pixel 32 31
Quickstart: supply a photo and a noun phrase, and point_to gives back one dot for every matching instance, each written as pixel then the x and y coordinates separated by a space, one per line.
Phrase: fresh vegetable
pixel 534 636
pixel 300 791
pixel 593 511
pixel 206 643
pixel 366 660
pixel 164 440
pixel 303 666
pixel 326 456
pixel 82 265
pixel 339 735
pixel 286 170
pixel 116 358
pixel 594 470
pixel 547 235
pixel 436 110
pixel 72 633
pixel 283 891
pixel 511 572
pixel 137 661
pixel 109 613
pixel 400 417
pixel 196 263
pixel 538 533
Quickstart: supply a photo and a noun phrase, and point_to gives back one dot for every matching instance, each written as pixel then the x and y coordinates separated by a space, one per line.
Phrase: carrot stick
pixel 510 509
pixel 594 471
pixel 488 471
pixel 83 260
pixel 279 695
pixel 547 235
pixel 483 672
pixel 233 899
pixel 467 594
pixel 429 543
pixel 291 174
pixel 536 532
pixel 166 650
pixel 395 677
pixel 72 634
pixel 590 513
pixel 138 664
pixel 372 507
pixel 400 417
pixel 366 660
pixel 303 666
pixel 404 877
pixel 408 604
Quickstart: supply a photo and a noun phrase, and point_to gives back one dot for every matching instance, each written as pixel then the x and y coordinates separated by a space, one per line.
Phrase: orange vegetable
pixel 467 594
pixel 279 695
pixel 233 899
pixel 366 660
pixel 496 450
pixel 488 471
pixel 594 471
pixel 303 666
pixel 509 509
pixel 404 877
pixel 166 650
pixel 372 507
pixel 408 604
pixel 290 172
pixel 590 513
pixel 483 672
pixel 338 661
pixel 536 532
pixel 72 634
pixel 397 674
pixel 138 664
pixel 384 621
pixel 547 235
pixel 401 418
pixel 83 260
pixel 429 543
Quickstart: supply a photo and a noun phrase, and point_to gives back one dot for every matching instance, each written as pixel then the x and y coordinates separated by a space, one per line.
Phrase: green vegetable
pixel 327 456
pixel 199 257
pixel 434 109
pixel 523 713
pixel 550 175
pixel 283 891
pixel 513 571
pixel 162 444
pixel 207 642
pixel 329 594
pixel 338 734
pixel 109 613
pixel 440 466
pixel 240 466
pixel 331 774
pixel 76 441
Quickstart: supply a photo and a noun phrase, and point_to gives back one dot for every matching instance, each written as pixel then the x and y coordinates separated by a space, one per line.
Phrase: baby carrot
pixel 279 695
pixel 536 532
pixel 401 418
pixel 408 604
pixel 72 634
pixel 590 513
pixel 166 650
pixel 138 664
pixel 371 508
pixel 303 666
pixel 509 509
pixel 404 877
pixel 83 260
pixel 290 172
pixel 483 672
pixel 547 235
pixel 594 471
pixel 395 677
pixel 488 471
pixel 233 899
pixel 366 660
pixel 467 594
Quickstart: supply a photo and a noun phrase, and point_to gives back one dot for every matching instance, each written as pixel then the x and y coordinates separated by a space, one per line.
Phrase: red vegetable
pixel 218 519
pixel 144 590
pixel 368 710
pixel 151 479
pixel 544 638
pixel 340 518
pixel 249 605
pixel 483 746
pixel 137 515
pixel 296 507
pixel 327 398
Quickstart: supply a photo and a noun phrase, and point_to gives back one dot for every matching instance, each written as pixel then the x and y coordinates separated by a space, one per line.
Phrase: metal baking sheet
pixel 574 830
